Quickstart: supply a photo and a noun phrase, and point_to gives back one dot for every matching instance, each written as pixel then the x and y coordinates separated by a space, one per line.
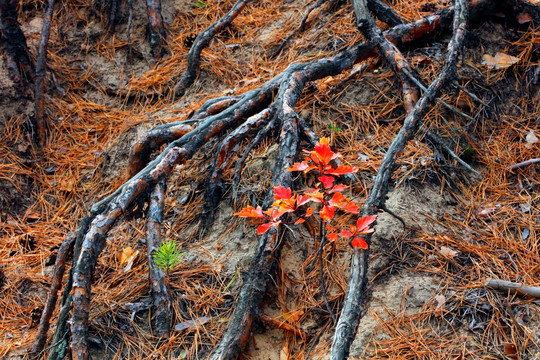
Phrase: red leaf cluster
pixel 325 192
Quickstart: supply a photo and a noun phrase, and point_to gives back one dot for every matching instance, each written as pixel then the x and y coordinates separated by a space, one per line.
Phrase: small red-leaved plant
pixel 325 192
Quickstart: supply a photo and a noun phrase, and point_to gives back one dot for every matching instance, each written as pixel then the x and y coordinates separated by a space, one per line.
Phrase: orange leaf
pixel 309 211
pixel 315 195
pixel 301 200
pixel 302 166
pixel 338 188
pixel 264 227
pixel 251 212
pixel 299 221
pixel 351 207
pixel 128 254
pixel 332 236
pixel 363 223
pixel 338 200
pixel 327 213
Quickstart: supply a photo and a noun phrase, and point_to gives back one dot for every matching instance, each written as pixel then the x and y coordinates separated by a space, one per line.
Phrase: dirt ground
pixel 427 298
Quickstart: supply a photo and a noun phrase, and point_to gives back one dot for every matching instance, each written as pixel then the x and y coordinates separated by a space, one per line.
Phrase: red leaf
pixel 301 200
pixel 351 207
pixel 264 227
pixel 332 236
pixel 323 154
pixel 282 193
pixel 359 243
pixel 327 181
pixel 346 234
pixel 251 212
pixel 363 223
pixel 341 170
pixel 327 213
pixel 338 188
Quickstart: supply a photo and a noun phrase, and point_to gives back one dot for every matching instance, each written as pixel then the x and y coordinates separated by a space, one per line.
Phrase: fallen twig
pixel 524 163
pixel 502 285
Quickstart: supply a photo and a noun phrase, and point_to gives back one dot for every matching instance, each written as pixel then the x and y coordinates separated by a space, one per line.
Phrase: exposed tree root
pixel 59 267
pixel 387 50
pixel 160 293
pixel 254 114
pixel 352 306
pixel 201 41
pixel 156 29
pixel 13 42
pixel 40 80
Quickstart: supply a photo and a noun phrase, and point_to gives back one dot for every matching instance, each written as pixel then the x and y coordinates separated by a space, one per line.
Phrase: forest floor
pixel 427 298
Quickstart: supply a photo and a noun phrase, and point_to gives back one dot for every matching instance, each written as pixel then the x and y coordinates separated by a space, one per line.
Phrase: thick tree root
pixel 41 81
pixel 13 42
pixel 156 29
pixel 59 267
pixel 264 263
pixel 201 41
pixel 352 306
pixel 229 146
pixel 158 286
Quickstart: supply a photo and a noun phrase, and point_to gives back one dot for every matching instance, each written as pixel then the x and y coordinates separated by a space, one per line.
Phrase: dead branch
pixel 523 163
pixel 41 67
pixel 201 41
pixel 160 293
pixel 508 286
pixel 352 306
pixel 156 29
pixel 59 267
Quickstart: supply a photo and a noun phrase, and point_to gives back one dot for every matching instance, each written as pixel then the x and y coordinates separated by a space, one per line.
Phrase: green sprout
pixel 334 128
pixel 167 256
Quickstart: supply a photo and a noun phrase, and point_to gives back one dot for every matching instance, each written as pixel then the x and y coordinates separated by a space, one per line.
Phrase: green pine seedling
pixel 167 256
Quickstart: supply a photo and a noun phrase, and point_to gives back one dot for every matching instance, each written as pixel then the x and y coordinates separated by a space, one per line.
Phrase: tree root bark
pixel 158 286
pixel 156 29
